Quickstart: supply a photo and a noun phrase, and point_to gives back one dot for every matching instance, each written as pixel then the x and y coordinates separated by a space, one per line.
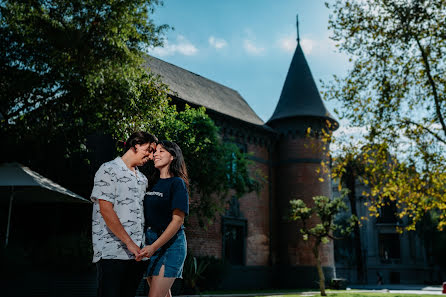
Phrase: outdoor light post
pixel 9 216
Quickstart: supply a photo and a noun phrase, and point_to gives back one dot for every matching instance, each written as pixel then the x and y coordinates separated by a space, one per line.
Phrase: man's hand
pixel 146 252
pixel 133 248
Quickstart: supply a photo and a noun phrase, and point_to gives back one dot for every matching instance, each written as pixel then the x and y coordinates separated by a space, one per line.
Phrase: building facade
pixel 264 248
pixel 388 257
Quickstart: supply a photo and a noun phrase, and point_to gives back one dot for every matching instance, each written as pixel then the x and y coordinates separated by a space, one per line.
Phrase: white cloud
pixel 182 46
pixel 252 48
pixel 308 45
pixel 218 43
pixel 288 44
pixel 320 46
pixel 347 136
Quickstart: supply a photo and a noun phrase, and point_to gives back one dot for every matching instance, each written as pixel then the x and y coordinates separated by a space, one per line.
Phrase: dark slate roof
pixel 201 91
pixel 300 96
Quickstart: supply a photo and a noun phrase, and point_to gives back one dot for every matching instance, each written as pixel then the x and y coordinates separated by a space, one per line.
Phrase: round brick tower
pixel 297 158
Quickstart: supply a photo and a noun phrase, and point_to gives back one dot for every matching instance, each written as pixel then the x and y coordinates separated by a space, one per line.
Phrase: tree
pixel 353 171
pixel 210 161
pixel 72 69
pixel 395 91
pixel 323 211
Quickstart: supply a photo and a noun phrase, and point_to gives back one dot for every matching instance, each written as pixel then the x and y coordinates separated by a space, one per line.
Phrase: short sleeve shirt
pixel 125 189
pixel 167 194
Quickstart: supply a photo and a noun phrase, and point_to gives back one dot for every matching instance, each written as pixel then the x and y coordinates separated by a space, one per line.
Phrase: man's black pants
pixel 119 278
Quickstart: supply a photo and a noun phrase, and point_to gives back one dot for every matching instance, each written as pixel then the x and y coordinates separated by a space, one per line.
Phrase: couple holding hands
pixel 137 230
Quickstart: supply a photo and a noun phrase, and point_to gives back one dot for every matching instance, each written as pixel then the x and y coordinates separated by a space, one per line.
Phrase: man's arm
pixel 114 224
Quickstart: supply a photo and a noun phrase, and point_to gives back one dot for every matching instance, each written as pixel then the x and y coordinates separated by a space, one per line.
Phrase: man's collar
pixel 122 164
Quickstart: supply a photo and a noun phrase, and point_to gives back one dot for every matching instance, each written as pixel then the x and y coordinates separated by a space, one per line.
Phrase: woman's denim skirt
pixel 171 255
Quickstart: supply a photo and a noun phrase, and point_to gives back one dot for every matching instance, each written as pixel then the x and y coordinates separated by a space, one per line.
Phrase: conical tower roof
pixel 300 96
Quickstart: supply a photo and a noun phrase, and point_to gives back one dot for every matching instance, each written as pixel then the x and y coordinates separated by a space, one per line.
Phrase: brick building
pixel 265 250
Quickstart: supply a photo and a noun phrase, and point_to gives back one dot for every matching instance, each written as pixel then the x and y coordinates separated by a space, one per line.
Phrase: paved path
pixel 407 289
pixel 401 289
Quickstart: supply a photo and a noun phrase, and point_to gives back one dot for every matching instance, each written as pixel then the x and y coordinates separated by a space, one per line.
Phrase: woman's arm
pixel 173 227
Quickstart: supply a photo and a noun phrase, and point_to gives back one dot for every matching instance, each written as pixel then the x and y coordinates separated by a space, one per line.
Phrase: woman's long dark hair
pixel 177 167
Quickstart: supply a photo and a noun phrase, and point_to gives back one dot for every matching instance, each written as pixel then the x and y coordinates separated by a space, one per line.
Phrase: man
pixel 118 218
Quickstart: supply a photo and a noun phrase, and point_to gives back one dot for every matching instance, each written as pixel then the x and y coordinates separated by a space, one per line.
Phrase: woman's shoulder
pixel 177 180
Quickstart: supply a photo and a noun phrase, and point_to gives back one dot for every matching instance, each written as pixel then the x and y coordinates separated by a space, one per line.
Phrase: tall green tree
pixel 395 91
pixel 72 69
pixel 324 210
pixel 68 68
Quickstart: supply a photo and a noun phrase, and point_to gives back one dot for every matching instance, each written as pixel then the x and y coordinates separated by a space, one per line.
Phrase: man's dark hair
pixel 140 138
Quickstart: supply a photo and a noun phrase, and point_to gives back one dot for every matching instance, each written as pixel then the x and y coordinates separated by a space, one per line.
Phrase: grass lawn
pixel 272 291
pixel 307 292
pixel 359 294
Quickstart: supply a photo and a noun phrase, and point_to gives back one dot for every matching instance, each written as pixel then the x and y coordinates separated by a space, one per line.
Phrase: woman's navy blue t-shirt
pixel 167 194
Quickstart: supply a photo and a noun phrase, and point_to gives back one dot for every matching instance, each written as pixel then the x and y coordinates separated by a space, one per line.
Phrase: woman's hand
pixel 145 252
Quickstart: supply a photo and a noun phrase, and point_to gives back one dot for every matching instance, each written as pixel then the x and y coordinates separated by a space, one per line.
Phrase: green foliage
pixel 193 272
pixel 208 159
pixel 396 92
pixel 203 273
pixel 72 69
pixel 325 211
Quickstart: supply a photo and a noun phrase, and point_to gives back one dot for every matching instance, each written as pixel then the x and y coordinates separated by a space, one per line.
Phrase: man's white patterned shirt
pixel 116 183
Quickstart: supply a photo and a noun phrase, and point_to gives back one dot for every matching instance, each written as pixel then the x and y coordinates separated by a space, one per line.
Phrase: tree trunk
pixel 319 267
pixel 350 184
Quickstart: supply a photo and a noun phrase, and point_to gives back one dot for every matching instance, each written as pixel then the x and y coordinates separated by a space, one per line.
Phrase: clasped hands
pixel 145 252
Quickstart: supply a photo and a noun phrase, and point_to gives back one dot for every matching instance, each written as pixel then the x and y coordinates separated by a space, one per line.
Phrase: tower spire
pixel 300 97
pixel 297 25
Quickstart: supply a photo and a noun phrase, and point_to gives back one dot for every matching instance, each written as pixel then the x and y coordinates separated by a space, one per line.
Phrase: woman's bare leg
pixel 160 285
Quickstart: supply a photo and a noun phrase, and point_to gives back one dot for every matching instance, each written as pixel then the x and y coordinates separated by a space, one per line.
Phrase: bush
pixel 202 273
pixel 338 283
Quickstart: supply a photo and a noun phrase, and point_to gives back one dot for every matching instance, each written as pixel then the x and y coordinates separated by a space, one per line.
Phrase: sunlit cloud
pixel 182 46
pixel 217 43
pixel 288 44
pixel 252 49
pixel 308 45
pixel 321 46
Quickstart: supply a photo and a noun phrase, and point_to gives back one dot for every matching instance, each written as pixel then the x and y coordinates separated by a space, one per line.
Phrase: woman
pixel 165 207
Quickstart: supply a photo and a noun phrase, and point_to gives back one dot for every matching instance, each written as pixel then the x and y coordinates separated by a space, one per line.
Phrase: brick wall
pixel 254 207
pixel 204 242
pixel 297 178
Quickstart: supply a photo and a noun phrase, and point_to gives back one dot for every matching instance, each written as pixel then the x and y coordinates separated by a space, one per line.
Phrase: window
pixel 234 229
pixel 389 248
pixel 234 247
pixel 233 161
pixel 387 213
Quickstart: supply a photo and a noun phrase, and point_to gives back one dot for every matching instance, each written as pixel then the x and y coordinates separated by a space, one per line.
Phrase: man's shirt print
pixel 116 183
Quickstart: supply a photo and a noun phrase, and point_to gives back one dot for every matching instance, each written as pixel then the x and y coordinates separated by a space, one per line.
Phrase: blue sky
pixel 247 45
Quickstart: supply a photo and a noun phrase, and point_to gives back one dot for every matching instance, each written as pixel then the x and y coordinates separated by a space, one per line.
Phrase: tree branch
pixel 48 98
pixel 426 129
pixel 426 64
pixel 433 85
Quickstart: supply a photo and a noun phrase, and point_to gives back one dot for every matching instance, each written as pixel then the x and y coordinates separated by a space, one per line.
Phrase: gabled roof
pixel 300 96
pixel 201 91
